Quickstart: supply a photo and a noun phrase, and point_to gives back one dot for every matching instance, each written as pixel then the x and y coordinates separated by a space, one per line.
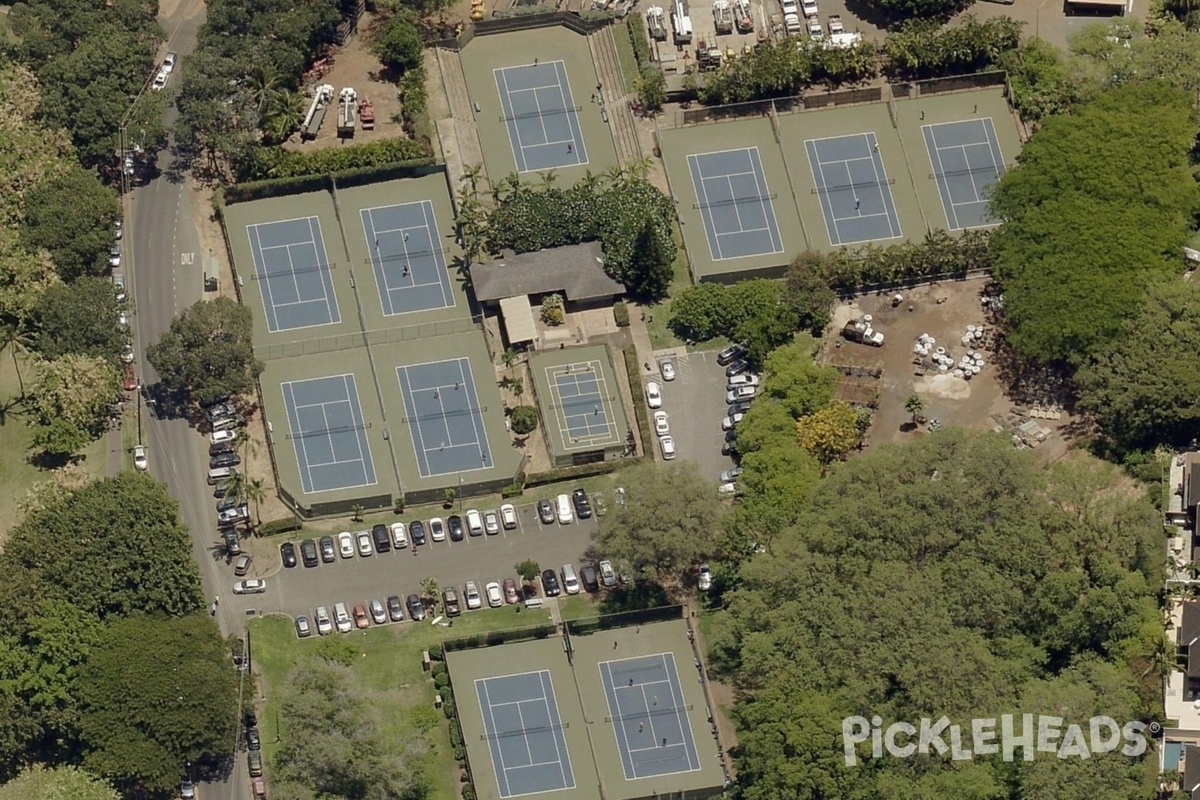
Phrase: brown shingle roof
pixel 577 271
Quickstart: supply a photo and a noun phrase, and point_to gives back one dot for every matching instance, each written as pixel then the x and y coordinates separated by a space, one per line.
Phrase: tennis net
pixel 264 275
pixel 736 201
pixel 329 431
pixel 843 187
pixel 541 113
pixel 989 171
pixel 485 737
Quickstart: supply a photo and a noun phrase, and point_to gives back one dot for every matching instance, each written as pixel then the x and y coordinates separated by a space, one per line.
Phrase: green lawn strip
pixel 659 314
pixel 579 606
pixel 625 56
pixel 390 668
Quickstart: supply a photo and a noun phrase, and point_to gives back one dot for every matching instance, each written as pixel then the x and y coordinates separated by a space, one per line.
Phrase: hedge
pixel 272 162
pixel 621 314
pixel 573 473
pixel 273 527
pixel 634 370
pixel 512 490
pixel 637 35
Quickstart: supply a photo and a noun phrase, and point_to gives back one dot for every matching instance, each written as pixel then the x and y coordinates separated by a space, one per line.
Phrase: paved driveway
pixel 301 589
pixel 695 401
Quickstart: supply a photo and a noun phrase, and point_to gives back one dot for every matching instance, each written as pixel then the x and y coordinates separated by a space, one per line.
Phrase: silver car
pixel 250 586
pixel 365 548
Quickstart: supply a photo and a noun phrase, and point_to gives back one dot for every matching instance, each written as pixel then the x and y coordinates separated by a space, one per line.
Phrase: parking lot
pixel 300 589
pixel 695 404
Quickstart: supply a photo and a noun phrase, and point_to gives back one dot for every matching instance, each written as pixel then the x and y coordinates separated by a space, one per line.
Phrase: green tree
pixel 16 340
pixel 700 312
pixel 431 590
pixel 528 570
pixel 1043 82
pixel 79 318
pixel 651 86
pixel 765 331
pixel 524 420
pixel 73 394
pixel 795 380
pixel 157 692
pixel 668 523
pixel 72 215
pixel 399 45
pixel 921 9
pixel 829 434
pixel 57 783
pixel 208 351
pixel 255 491
pixel 650 270
pixel 807 293
pixel 914 405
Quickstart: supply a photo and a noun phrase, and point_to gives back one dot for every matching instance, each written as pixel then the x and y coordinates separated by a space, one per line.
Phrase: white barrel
pixel 941 368
pixel 975 370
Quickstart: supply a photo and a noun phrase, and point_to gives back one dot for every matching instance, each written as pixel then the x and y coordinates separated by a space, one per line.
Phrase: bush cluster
pixel 272 162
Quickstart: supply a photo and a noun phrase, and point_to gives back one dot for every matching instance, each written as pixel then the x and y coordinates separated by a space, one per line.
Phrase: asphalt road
pixel 300 589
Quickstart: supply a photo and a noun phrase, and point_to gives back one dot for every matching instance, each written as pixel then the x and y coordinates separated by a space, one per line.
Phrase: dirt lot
pixel 943 311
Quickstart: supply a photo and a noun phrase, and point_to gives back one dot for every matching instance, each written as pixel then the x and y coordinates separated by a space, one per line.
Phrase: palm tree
pixel 255 491
pixel 509 358
pixel 471 175
pixel 517 387
pixel 357 510
pixel 265 85
pixel 431 590
pixel 549 177
pixel 15 338
pixel 284 116
pixel 914 405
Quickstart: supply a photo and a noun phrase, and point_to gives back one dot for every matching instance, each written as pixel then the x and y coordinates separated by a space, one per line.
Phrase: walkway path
pixel 616 98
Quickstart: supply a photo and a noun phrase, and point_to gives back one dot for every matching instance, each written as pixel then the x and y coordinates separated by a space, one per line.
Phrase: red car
pixel 510 591
pixel 130 378
pixel 360 616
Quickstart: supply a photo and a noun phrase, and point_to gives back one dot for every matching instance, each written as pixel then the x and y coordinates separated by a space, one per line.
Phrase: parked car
pixel 324 623
pixel 494 598
pixel 303 629
pixel 508 516
pixel 741 393
pixel 416 530
pixel 379 613
pixel 653 395
pixel 491 522
pixel 187 790
pixel 224 460
pixel 399 535
pixel 734 351
pixel 705 581
pixel 119 286
pixel 308 553
pixel 139 457
pixel 745 379
pixel 234 515
pixel 662 425
pixel 130 383
pixel 815 31
pixel 250 586
pixel 219 411
pixel 258 788
pixel 729 446
pixel 598 504
pixel 511 595
pixel 222 436
pixel 253 740
pixel 160 80
pixel 737 368
pixel 346 544
pixel 416 607
pixel 550 583
pixel 288 551
pixel 809 7
pixel 169 61
pixel 232 545
pixel 740 407
pixel 450 601
pixel 360 617
pixel 254 762
pixel 583 509
pixel 114 254
pixel 242 566
pixel 437 529
pixel 667 368
pixel 471 593
pixel 608 575
pixel 220 447
pixel 328 551
pixel 731 421
pixel 588 577
pixel 731 474
pixel 545 511
pixel 454 524
pixel 728 489
pixel 668 447
pixel 364 543
pixel 382 538
pixel 474 523
pixel 395 608
pixel 223 488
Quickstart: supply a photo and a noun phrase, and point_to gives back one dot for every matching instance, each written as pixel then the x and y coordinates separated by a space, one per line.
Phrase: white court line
pixel 610 696
pixel 502 789
pixel 358 439
pixel 439 262
pixel 705 207
pixel 568 438
pixel 678 700
pixel 764 197
pixel 550 718
pixel 483 455
pixel 885 192
pixel 818 174
pixel 940 170
pixel 510 126
pixel 568 101
pixel 331 304
pixel 264 293
pixel 735 201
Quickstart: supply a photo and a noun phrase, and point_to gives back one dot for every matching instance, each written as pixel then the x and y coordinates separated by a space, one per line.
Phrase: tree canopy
pixel 208 351
pixel 72 216
pixel 58 783
pixel 399 44
pixel 69 399
pixel 1099 207
pixel 79 318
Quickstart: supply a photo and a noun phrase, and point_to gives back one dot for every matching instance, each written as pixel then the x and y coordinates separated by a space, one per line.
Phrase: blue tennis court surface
pixel 584 404
pixel 444 417
pixel 853 186
pixel 524 733
pixel 735 204
pixel 328 432
pixel 406 254
pixel 966 161
pixel 292 269
pixel 541 116
pixel 649 716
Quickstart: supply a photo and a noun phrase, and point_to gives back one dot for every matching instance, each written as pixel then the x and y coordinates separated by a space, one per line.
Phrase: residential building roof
pixel 577 271
pixel 1189 637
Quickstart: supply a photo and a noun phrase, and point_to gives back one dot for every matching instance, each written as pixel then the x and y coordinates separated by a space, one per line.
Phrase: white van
pixel 219 474
pixel 341 618
pixel 225 423
pixel 563 507
pixel 570 581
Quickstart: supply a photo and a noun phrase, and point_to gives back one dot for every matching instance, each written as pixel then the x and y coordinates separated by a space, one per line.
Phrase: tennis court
pixel 854 189
pixel 328 432
pixel 524 733
pixel 407 257
pixel 444 417
pixel 292 268
pixel 541 116
pixel 583 402
pixel 649 716
pixel 735 203
pixel 966 160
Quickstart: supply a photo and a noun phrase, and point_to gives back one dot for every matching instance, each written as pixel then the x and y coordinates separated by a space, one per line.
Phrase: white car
pixel 139 457
pixel 667 369
pixel 231 515
pixel 160 80
pixel 740 393
pixel 346 544
pixel 474 522
pixel 437 529
pixel 730 421
pixel 668 447
pixel 324 623
pixel 790 7
pixel 495 597
pixel 815 32
pixel 835 25
pixel 608 575
pixel 727 489
pixel 122 319
pixel 809 7
pixel 508 516
pixel 399 536
pixel 745 379
pixel 364 543
pixel 127 354
pixel 169 61
pixel 471 592
pixel 653 395
pixel 705 582
pixel 218 437
pixel 661 425
pixel 491 522
pixel 251 586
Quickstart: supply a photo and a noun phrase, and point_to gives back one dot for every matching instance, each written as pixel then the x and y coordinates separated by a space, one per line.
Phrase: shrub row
pixel 273 162
pixel 621 314
pixel 573 473
pixel 273 527
pixel 637 36
pixel 634 370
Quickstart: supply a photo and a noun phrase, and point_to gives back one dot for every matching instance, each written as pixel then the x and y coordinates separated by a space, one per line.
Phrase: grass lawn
pixel 580 606
pixel 625 57
pixel 659 314
pixel 390 668
pixel 17 474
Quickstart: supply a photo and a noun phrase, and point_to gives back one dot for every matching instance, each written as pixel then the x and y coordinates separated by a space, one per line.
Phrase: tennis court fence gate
pixel 378 336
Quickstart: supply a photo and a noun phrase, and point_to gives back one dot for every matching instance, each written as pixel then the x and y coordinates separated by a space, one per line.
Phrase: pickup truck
pixel 835 25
